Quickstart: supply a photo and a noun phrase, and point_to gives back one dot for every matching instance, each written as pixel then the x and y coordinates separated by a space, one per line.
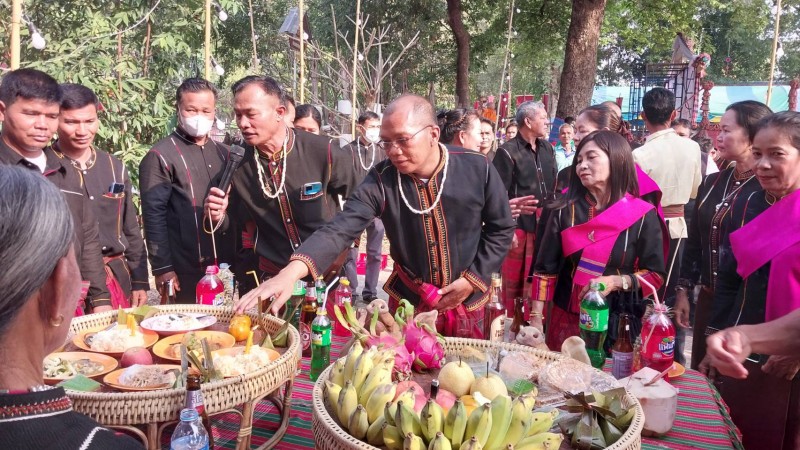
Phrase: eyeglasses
pixel 402 142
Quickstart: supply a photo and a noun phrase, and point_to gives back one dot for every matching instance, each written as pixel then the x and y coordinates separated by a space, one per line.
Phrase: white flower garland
pixel 441 188
pixel 262 177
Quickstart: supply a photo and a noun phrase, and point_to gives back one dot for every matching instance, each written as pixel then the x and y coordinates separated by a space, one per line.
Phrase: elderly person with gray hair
pixel 40 281
pixel 527 166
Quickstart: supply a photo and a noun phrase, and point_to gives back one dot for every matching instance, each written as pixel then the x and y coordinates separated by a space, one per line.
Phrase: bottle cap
pixel 322 312
pixel 299 288
pixel 345 282
pixel 212 270
pixel 188 415
pixel 224 266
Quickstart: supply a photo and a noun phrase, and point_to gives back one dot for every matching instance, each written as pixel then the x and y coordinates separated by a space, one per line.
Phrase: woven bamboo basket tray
pixel 128 408
pixel 328 435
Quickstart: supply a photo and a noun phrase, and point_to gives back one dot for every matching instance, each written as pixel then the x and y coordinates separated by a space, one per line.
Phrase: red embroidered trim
pixel 15 411
pixel 475 280
pixel 312 266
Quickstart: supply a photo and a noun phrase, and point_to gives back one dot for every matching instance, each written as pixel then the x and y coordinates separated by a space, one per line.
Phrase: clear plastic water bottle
pixel 190 433
pixel 341 296
pixel 320 344
pixel 594 323
pixel 658 340
pixel 228 282
pixel 210 290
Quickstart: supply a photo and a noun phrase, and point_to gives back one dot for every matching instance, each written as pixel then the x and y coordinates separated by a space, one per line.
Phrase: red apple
pixel 136 355
pixel 445 399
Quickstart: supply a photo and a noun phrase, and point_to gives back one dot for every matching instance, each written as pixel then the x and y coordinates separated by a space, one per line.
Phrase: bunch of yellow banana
pixel 361 394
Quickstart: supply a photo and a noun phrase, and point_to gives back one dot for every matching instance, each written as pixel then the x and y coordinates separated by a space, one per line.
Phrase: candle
pixel 131 324
pixel 249 342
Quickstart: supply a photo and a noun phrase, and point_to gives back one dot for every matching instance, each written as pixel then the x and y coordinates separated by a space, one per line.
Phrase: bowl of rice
pixel 232 362
pixel 115 341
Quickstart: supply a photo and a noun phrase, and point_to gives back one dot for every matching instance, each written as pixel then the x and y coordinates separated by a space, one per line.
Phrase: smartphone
pixel 116 188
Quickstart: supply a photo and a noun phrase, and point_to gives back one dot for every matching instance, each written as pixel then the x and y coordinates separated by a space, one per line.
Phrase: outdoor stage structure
pixel 683 76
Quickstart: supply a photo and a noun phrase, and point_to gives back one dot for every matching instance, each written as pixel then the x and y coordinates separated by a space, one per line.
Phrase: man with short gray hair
pixel 527 166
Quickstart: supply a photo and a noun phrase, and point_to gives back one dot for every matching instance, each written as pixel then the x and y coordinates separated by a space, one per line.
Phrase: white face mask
pixel 372 135
pixel 196 126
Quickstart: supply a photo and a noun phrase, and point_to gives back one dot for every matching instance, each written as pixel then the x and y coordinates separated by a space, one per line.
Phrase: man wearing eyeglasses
pixel 446 215
pixel 288 183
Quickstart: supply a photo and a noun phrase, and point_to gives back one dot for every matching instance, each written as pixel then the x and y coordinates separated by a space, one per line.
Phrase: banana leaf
pixel 213 373
pixel 602 421
pixel 267 342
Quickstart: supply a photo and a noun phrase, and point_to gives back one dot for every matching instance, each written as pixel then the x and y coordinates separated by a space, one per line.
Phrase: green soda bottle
pixel 320 344
pixel 594 323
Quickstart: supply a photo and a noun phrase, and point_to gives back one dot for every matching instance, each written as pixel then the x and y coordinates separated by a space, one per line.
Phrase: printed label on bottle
pixel 594 319
pixel 622 364
pixel 321 338
pixel 305 335
pixel 194 400
pixel 667 346
pixel 219 299
pixel 497 329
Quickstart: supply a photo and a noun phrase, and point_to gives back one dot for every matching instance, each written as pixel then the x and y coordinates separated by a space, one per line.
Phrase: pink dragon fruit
pixel 424 344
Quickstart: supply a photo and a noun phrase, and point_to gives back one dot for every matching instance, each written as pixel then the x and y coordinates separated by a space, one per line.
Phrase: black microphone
pixel 234 159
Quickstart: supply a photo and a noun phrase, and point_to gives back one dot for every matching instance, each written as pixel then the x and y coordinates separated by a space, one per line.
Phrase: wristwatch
pixel 625 285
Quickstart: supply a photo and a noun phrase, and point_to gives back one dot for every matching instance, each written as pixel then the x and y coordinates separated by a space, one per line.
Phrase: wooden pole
pixel 253 37
pixel 208 40
pixel 774 50
pixel 302 55
pixel 16 20
pixel 355 68
pixel 505 65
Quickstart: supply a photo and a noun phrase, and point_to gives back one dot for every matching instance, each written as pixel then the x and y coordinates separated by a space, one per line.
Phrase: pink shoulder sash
pixel 773 236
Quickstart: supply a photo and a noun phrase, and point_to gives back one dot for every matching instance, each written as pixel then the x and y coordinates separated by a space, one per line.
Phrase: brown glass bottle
pixel 495 312
pixel 307 315
pixel 194 400
pixel 622 351
pixel 519 318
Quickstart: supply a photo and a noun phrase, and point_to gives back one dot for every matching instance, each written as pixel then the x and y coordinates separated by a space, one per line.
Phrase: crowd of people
pixel 716 236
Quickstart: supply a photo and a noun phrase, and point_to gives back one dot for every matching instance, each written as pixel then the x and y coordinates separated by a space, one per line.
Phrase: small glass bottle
pixel 622 351
pixel 307 315
pixel 519 319
pixel 494 317
pixel 320 344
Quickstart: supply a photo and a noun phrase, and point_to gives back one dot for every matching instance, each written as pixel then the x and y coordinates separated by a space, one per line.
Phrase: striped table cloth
pixel 702 420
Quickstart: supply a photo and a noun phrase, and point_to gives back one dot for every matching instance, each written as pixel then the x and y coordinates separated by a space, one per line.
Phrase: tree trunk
pixel 580 60
pixel 454 19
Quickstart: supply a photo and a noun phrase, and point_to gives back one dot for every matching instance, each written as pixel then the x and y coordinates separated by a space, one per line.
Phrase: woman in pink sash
pixel 713 204
pixel 599 231
pixel 759 280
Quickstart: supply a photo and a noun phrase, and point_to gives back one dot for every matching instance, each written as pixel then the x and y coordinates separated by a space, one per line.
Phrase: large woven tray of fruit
pixel 370 398
pixel 114 408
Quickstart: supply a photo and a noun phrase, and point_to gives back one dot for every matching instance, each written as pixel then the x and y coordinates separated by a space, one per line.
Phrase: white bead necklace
pixel 360 159
pixel 441 187
pixel 262 177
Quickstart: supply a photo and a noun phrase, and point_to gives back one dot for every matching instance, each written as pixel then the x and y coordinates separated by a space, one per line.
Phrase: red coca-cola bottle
pixel 210 290
pixel 658 340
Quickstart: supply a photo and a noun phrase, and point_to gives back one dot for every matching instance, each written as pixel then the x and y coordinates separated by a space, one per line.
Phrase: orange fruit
pixel 243 318
pixel 239 329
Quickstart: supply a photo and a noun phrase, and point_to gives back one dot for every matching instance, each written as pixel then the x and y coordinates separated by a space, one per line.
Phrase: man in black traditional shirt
pixel 446 214
pixel 527 166
pixel 29 110
pixel 174 178
pixel 289 181
pixel 108 186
